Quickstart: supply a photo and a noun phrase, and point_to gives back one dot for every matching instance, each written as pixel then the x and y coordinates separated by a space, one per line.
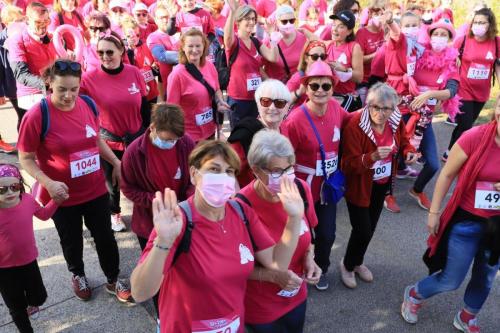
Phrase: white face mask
pixel 479 30
pixel 439 43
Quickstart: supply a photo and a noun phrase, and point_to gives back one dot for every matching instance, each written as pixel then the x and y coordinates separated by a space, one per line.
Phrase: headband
pixel 313 44
pixel 9 170
pixel 108 34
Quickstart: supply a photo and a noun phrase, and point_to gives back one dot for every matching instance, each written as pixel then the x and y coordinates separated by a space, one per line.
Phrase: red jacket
pixel 136 182
pixel 355 144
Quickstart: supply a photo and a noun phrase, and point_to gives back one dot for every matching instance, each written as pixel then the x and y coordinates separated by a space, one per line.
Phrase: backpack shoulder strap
pixel 44 108
pixel 79 17
pixel 256 42
pixel 60 18
pixel 287 69
pixel 243 198
pixel 186 237
pixel 241 213
pixel 462 48
pixel 90 102
pixel 303 195
pixel 232 56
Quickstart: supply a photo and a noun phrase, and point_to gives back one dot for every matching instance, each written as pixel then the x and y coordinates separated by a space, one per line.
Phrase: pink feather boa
pixel 445 63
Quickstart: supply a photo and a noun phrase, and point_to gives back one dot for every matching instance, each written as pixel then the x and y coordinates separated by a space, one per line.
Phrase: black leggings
pixel 20 287
pixel 20 112
pixel 113 190
pixel 364 221
pixel 470 111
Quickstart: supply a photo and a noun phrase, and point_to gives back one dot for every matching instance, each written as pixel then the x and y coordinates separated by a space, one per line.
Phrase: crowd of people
pixel 324 101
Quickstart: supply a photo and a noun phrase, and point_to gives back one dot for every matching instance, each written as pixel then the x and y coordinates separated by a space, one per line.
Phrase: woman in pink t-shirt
pixel 467 231
pixel 202 102
pixel 97 23
pixel 245 75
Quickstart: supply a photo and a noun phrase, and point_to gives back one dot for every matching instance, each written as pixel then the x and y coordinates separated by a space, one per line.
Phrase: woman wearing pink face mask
pixel 276 300
pixel 209 276
pixel 479 54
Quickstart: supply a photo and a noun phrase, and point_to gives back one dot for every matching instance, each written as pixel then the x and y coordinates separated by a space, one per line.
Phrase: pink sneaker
pixel 410 307
pixel 470 327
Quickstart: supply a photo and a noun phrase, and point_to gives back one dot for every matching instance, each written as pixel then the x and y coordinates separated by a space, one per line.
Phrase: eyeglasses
pixel 141 14
pixel 64 66
pixel 324 86
pixel 278 103
pixel 380 109
pixel 277 173
pixel 291 21
pixel 315 56
pixel 97 29
pixel 118 10
pixel 13 188
pixel 250 19
pixel 109 53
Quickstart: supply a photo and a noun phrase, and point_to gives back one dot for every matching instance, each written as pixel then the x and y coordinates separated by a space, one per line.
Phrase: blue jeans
pixel 325 234
pixel 464 246
pixel 241 109
pixel 291 322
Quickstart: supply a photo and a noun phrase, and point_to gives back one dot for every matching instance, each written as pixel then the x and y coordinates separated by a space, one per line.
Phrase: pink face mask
pixel 287 28
pixel 439 43
pixel 375 21
pixel 411 32
pixel 274 184
pixel 479 30
pixel 217 188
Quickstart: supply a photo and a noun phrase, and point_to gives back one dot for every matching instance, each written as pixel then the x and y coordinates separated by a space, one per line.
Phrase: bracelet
pixel 164 248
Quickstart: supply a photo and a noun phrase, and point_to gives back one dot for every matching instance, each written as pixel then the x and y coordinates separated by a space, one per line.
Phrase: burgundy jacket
pixel 136 182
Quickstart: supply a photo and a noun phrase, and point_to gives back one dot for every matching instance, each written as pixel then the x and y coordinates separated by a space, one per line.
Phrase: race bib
pixel 331 162
pixel 382 169
pixel 148 75
pixel 84 162
pixel 205 117
pixel 486 196
pixel 221 325
pixel 410 65
pixel 288 293
pixel 478 72
pixel 253 81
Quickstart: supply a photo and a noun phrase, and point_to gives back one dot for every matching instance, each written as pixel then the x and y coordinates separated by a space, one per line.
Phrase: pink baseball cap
pixel 320 69
pixel 443 23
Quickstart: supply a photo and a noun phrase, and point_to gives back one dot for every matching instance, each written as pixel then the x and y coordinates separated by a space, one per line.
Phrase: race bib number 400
pixel 486 196
pixel 381 169
pixel 331 162
pixel 253 82
pixel 220 325
pixel 84 162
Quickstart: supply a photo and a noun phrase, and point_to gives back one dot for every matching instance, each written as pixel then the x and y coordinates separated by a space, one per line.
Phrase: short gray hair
pixel 267 144
pixel 382 92
pixel 274 89
pixel 244 11
pixel 283 10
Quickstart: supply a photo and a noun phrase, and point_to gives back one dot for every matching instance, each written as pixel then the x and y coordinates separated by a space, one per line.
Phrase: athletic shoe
pixel 410 307
pixel 450 122
pixel 407 173
pixel 158 326
pixel 322 283
pixel 444 158
pixel 6 148
pixel 33 311
pixel 421 198
pixel 391 205
pixel 81 287
pixel 348 278
pixel 122 292
pixel 364 273
pixel 117 223
pixel 470 327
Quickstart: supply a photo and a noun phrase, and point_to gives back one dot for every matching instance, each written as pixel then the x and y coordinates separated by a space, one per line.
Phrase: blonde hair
pixel 58 8
pixel 11 13
pixel 193 33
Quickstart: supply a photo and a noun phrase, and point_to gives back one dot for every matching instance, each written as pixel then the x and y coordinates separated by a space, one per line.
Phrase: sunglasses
pixel 278 103
pixel 13 188
pixel 324 86
pixel 141 14
pixel 291 21
pixel 109 53
pixel 64 66
pixel 315 57
pixel 96 29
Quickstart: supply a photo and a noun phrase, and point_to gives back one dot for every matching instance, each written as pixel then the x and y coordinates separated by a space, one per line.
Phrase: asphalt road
pixel 394 257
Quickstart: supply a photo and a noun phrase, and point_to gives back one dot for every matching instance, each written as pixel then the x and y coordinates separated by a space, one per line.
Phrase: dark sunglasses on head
pixel 292 21
pixel 96 29
pixel 266 102
pixel 324 86
pixel 13 188
pixel 315 57
pixel 63 66
pixel 109 53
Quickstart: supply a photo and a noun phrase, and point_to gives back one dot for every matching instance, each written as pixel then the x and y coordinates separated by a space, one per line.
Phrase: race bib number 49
pixel 84 162
pixel 486 196
pixel 219 325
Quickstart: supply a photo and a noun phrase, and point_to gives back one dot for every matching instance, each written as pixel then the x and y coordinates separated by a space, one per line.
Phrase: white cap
pixel 118 3
pixel 140 7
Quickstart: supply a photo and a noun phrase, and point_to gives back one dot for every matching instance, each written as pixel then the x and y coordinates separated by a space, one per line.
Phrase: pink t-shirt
pixel 265 7
pixel 17 239
pixel 145 31
pixel 73 21
pixel 291 53
pixel 262 302
pixel 205 288
pixel 478 61
pixel 303 139
pixel 398 63
pixel 322 6
pixel 24 48
pixel 370 42
pixel 120 103
pixel 201 20
pixel 69 153
pixel 160 38
pixel 90 58
pixel 220 22
pixel 245 74
pixel 342 54
pixel 192 96
pixel 143 59
pixel 377 67
pixel 489 174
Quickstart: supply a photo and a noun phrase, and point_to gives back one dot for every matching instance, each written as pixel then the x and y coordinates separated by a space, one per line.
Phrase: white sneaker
pixel 117 223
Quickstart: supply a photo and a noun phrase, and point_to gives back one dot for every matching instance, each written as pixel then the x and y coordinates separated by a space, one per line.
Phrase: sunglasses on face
pixel 97 29
pixel 109 53
pixel 278 103
pixel 141 14
pixel 315 56
pixel 13 188
pixel 291 21
pixel 63 66
pixel 324 86
pixel 117 11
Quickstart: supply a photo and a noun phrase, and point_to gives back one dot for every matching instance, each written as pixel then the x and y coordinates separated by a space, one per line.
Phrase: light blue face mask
pixel 164 144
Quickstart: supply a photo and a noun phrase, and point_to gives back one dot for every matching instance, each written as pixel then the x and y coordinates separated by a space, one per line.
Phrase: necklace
pixel 221 225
